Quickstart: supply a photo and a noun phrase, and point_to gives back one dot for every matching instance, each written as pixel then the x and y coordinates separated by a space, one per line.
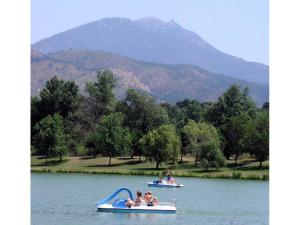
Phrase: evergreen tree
pixel 101 99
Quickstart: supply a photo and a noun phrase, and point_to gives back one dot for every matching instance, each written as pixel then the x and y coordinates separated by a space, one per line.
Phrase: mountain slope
pixel 153 40
pixel 165 82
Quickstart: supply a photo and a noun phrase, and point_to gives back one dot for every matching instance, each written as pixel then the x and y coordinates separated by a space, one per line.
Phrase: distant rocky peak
pixel 151 20
pixel 173 23
pixel 154 23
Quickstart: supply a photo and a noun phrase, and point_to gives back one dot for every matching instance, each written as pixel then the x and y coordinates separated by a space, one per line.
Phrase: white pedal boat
pixel 118 206
pixel 138 209
pixel 164 184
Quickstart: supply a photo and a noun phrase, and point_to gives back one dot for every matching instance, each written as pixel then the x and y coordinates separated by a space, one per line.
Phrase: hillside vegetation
pixel 170 83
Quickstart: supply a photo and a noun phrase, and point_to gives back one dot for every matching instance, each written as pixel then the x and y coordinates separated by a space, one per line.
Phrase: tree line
pixel 63 121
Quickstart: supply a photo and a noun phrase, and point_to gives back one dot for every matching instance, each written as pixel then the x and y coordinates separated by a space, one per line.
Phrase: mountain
pixel 153 40
pixel 169 83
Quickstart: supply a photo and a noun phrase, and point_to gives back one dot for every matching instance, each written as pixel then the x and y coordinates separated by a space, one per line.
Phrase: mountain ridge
pixel 153 40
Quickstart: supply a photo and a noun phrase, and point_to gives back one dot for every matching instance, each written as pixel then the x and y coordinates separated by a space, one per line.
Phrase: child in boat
pixel 150 199
pixel 159 181
pixel 139 199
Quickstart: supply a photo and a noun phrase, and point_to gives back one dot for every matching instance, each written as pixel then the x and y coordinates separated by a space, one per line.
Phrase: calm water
pixel 68 199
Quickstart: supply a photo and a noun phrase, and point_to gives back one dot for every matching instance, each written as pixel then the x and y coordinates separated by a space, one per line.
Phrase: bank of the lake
pixel 244 169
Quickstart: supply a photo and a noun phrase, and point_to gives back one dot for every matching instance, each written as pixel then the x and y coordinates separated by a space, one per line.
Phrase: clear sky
pixel 237 27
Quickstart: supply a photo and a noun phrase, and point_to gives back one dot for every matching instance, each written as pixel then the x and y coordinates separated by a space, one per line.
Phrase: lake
pixel 69 199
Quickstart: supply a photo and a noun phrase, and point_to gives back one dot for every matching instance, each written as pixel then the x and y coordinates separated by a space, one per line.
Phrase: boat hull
pixel 141 209
pixel 151 184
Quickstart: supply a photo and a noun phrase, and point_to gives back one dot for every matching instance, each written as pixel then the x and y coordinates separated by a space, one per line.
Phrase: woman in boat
pixel 150 199
pixel 170 179
pixel 139 199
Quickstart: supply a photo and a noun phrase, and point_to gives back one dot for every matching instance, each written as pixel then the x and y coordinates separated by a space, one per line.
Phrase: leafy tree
pixel 256 139
pixel 161 144
pixel 184 144
pixel 234 131
pixel 35 115
pixel 211 156
pixel 77 126
pixel 50 139
pixel 191 133
pixel 142 114
pixel 101 99
pixel 193 109
pixel 204 142
pixel 113 138
pixel 91 143
pixel 177 115
pixel 233 102
pixel 181 113
pixel 58 96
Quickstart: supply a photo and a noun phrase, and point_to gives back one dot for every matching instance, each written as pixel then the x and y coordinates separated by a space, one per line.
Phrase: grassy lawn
pixel 245 169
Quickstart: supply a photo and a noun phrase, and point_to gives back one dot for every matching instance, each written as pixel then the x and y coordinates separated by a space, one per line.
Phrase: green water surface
pixel 68 199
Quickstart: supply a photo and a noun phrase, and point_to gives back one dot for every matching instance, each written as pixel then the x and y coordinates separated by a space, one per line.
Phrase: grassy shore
pixel 244 169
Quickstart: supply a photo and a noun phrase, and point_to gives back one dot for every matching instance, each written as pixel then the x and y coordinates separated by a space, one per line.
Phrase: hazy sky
pixel 237 27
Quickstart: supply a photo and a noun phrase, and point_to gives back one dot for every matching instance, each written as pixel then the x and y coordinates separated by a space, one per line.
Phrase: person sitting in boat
pixel 150 199
pixel 139 199
pixel 170 179
pixel 158 181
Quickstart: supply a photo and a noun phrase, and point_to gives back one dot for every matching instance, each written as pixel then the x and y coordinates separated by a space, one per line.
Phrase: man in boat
pixel 139 199
pixel 150 199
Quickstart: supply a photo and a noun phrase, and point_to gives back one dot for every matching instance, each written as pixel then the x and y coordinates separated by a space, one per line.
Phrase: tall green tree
pixel 176 115
pixel 101 99
pixel 184 144
pixel 91 143
pixel 114 139
pixel 50 138
pixel 204 142
pixel 256 139
pixel 58 96
pixel 142 114
pixel 234 131
pixel 233 102
pixel 193 109
pixel 161 144
pixel 77 126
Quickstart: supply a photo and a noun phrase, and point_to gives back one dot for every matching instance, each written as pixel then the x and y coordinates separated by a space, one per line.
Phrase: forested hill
pixel 169 83
pixel 153 40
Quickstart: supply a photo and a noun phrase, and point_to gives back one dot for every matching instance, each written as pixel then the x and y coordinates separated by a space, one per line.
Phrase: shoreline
pixel 233 175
